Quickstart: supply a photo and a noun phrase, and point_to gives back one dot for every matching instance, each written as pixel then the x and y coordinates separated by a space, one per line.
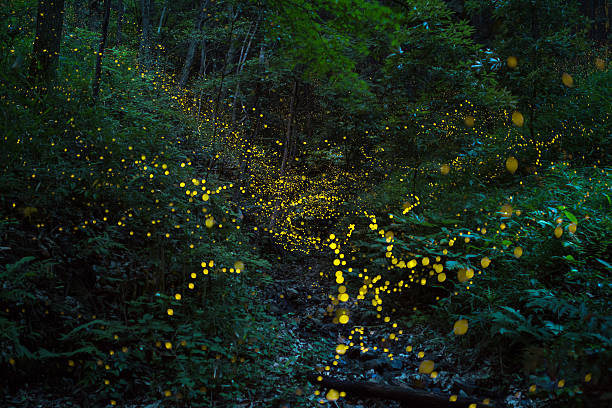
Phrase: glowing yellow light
pixel 332 395
pixel 517 118
pixel 426 367
pixel 511 164
pixel 460 327
pixel 518 252
pixel 512 62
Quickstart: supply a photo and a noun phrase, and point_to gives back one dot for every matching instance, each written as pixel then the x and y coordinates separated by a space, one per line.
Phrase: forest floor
pixel 302 304
pixel 299 297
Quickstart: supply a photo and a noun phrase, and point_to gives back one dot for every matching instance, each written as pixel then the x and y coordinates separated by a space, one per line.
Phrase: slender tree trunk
pixel 218 98
pixel 244 53
pixel 145 39
pixel 246 161
pixel 289 133
pixel 193 43
pixel 535 58
pixel 45 54
pixel 101 47
pixel 285 160
pixel 120 11
pixel 223 73
pixel 81 12
pixel 203 58
pixel 188 62
pixel 229 58
pixel 92 12
pixel 161 20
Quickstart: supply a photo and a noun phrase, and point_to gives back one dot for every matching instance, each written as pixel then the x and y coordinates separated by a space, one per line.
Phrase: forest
pixel 291 203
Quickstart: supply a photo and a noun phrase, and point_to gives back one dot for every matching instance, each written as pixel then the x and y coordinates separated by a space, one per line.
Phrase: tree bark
pixel 244 53
pixel 202 70
pixel 45 54
pixel 224 72
pixel 193 42
pixel 417 398
pixel 289 133
pixel 161 20
pixel 92 14
pixel 218 98
pixel 101 48
pixel 145 39
pixel 188 62
pixel 285 160
pixel 120 11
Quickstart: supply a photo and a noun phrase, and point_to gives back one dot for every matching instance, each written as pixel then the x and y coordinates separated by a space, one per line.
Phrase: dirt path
pixel 299 298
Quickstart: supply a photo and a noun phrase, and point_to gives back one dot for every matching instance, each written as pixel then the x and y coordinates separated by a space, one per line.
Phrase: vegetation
pixel 275 203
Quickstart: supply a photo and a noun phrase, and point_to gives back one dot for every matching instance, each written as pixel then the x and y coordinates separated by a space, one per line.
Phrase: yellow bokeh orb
pixel 426 367
pixel 517 118
pixel 460 327
pixel 512 62
pixel 511 164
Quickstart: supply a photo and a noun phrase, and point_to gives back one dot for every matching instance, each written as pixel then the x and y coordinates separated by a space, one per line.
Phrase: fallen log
pixel 416 398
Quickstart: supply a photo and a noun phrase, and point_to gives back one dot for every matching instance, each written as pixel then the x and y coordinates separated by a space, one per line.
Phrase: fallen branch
pixel 417 398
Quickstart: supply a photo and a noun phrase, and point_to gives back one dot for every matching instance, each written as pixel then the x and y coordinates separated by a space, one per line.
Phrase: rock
pixel 379 364
pixel 368 355
pixel 396 364
pixel 465 385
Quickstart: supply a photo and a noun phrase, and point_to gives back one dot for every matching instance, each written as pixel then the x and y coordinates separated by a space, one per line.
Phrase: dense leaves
pixel 257 193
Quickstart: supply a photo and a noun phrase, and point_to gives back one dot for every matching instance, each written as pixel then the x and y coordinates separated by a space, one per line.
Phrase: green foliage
pixel 122 223
pixel 98 238
pixel 546 302
pixel 552 300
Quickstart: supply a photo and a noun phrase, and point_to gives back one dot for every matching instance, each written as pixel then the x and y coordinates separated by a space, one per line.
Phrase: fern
pixel 541 300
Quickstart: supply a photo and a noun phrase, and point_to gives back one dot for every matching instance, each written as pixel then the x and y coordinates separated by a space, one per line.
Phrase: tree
pixel 45 55
pixel 193 42
pixel 98 71
pixel 546 38
pixel 145 39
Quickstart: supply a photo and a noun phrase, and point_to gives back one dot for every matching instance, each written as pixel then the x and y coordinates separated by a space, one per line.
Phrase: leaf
pixel 81 327
pixel 553 327
pixel 453 265
pixel 514 312
pixel 14 267
pixel 604 263
pixel 44 353
pixel 570 216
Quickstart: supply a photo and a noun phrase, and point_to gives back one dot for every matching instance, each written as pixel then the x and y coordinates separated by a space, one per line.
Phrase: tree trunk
pixel 224 72
pixel 161 20
pixel 102 46
pixel 414 397
pixel 92 14
pixel 120 11
pixel 193 42
pixel 244 53
pixel 80 9
pixel 286 147
pixel 45 55
pixel 246 160
pixel 188 62
pixel 145 39
pixel 289 133
pixel 203 58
